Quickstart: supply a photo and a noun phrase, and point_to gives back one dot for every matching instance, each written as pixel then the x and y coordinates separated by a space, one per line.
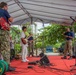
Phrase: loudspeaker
pixel 44 59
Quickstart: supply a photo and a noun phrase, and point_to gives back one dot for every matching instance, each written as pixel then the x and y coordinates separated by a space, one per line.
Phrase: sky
pixel 40 25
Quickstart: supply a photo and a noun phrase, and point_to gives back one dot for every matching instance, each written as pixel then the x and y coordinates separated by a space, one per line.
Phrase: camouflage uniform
pixel 5 45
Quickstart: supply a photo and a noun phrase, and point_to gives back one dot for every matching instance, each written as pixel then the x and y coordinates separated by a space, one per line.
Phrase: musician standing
pixel 68 43
pixel 24 45
pixel 30 44
pixel 4 33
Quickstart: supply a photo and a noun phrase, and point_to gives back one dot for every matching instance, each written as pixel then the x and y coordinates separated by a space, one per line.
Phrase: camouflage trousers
pixel 5 45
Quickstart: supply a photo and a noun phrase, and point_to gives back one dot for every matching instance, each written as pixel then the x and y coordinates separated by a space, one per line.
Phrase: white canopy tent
pixel 47 11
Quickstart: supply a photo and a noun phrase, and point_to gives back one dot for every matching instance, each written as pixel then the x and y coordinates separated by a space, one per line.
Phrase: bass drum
pixel 3 67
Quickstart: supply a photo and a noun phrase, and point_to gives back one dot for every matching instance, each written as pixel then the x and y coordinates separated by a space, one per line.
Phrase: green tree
pixel 15 33
pixel 53 34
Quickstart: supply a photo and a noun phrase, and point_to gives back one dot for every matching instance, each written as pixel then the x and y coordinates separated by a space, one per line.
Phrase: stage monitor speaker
pixel 44 59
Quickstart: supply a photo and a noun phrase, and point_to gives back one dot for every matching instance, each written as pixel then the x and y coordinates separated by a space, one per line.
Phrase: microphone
pixel 72 19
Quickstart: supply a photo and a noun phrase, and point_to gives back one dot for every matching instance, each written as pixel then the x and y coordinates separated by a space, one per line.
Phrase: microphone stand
pixel 73 66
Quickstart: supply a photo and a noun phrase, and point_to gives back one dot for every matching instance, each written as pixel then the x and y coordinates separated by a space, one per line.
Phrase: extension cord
pixel 30 67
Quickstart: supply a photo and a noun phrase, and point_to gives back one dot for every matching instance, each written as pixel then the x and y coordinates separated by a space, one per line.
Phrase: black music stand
pixel 73 66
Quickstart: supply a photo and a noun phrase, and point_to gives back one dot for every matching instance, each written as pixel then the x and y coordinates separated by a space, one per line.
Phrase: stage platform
pixel 59 67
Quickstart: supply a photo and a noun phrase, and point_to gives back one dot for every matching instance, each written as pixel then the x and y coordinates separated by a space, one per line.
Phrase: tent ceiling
pixel 55 11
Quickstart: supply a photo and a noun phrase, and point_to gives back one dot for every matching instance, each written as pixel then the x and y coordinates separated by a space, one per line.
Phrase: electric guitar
pixel 3 24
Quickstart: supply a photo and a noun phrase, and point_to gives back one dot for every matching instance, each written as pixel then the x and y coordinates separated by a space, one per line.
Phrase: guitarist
pixel 4 33
pixel 24 45
pixel 30 44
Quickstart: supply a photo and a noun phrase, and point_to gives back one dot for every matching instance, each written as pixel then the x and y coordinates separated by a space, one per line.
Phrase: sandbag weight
pixel 6 64
pixel 3 67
